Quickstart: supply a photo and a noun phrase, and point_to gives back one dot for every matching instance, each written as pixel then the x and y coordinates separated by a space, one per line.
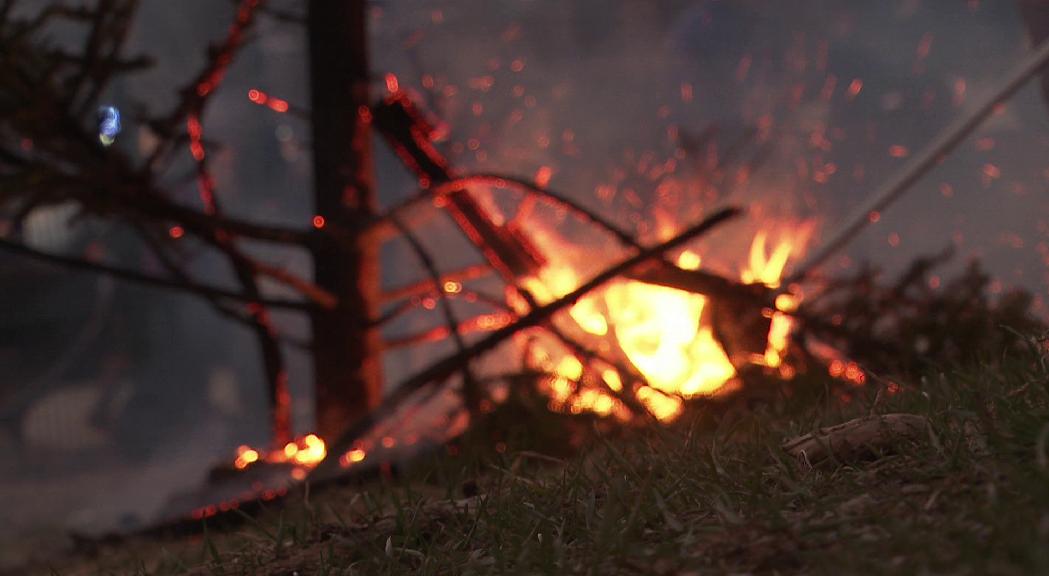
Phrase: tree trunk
pixel 347 367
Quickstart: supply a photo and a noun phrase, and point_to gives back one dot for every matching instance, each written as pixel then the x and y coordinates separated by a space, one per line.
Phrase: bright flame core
pixel 663 332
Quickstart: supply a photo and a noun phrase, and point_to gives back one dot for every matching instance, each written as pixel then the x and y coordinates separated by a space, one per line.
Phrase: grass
pixel 712 494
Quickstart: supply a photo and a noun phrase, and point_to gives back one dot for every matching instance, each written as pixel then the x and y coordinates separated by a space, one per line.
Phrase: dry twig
pixel 857 438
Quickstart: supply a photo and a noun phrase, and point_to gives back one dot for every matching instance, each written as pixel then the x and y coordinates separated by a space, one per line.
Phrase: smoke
pixel 846 90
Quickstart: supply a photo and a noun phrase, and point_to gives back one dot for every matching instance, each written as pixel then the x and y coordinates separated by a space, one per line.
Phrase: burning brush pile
pixel 629 342
pixel 673 342
pixel 626 342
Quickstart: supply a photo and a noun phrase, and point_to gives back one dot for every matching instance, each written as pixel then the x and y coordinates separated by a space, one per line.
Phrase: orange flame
pixel 663 332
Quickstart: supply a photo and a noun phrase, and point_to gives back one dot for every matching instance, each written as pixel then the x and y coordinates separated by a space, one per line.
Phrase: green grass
pixel 712 494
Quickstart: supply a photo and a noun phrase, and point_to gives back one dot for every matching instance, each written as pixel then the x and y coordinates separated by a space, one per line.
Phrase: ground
pixel 714 493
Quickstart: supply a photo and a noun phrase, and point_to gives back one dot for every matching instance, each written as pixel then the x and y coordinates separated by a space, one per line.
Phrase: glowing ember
pixel 245 457
pixel 306 452
pixel 352 457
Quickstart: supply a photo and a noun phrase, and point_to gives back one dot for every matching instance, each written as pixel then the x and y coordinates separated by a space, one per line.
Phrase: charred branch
pixel 203 85
pixel 509 252
pixel 472 394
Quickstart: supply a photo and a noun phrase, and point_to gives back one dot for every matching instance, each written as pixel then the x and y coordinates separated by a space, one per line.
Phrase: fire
pixel 556 281
pixel 245 457
pixel 567 394
pixel 663 407
pixel 304 453
pixel 659 331
pixel 352 457
pixel 765 267
pixel 664 333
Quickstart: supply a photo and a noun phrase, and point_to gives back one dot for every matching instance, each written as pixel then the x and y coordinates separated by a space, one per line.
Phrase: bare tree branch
pixel 203 85
pixel 146 279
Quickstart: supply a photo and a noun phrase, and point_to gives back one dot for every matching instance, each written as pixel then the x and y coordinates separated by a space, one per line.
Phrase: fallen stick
pixel 857 438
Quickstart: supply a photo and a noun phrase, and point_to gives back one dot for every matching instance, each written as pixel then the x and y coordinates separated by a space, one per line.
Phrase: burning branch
pixel 508 252
pixel 695 281
pixel 479 323
pixel 740 315
pixel 197 92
